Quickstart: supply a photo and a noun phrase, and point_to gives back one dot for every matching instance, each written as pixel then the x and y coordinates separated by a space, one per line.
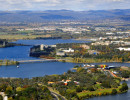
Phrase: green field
pixel 17 37
pixel 98 92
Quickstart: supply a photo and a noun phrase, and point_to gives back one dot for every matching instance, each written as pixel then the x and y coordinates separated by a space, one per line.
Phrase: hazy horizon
pixel 75 5
pixel 61 10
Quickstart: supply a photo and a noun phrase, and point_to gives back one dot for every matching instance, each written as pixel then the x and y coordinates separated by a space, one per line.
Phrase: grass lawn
pixel 84 93
pixel 16 37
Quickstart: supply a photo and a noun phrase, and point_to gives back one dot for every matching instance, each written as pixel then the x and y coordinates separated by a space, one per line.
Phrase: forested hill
pixel 56 15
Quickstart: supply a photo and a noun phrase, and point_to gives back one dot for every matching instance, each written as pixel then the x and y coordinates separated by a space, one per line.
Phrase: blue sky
pixel 77 5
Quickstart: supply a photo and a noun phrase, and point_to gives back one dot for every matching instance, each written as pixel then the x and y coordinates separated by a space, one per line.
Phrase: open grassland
pixel 17 37
pixel 85 60
pixel 98 92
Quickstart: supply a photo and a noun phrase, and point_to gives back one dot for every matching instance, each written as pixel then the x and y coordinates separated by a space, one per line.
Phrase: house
pixel 85 46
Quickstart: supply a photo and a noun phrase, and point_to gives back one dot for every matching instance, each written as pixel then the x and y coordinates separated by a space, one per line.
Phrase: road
pixel 112 74
pixel 57 96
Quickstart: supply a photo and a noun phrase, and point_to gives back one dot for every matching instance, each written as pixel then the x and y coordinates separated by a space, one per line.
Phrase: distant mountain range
pixel 57 15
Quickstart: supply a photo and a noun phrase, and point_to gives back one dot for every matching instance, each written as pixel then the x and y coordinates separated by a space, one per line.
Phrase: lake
pixel 50 41
pixel 29 70
pixel 21 52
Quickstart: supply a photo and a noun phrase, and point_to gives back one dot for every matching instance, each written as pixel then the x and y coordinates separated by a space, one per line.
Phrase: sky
pixel 77 5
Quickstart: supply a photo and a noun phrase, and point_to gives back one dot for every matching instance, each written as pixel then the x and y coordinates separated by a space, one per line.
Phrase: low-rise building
pixel 70 50
pixel 101 43
pixel 85 46
pixel 123 49
pixel 64 52
pixel 42 46
pixel 60 53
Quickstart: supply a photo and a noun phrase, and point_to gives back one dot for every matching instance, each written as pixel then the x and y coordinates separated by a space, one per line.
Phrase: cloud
pixel 63 4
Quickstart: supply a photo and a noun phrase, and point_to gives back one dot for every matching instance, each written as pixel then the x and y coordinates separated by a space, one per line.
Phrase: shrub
pixel 1 98
pixel 91 89
pixel 79 89
pixel 124 87
pixel 114 91
pixel 106 84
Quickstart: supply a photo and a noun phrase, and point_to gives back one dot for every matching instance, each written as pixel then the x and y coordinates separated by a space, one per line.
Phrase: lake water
pixel 21 52
pixel 29 70
pixel 50 41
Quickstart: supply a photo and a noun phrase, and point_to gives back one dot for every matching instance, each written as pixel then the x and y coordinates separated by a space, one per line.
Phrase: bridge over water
pixel 38 60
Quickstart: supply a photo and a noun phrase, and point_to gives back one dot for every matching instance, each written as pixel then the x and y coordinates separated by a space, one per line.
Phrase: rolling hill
pixel 57 15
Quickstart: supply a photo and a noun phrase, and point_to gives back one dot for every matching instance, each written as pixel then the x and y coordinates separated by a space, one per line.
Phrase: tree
pixel 19 89
pixel 1 98
pixel 3 87
pixel 79 89
pixel 80 69
pixel 125 74
pixel 9 91
pixel 91 88
pixel 70 93
pixel 106 84
pixel 76 66
pixel 124 87
pixel 114 91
